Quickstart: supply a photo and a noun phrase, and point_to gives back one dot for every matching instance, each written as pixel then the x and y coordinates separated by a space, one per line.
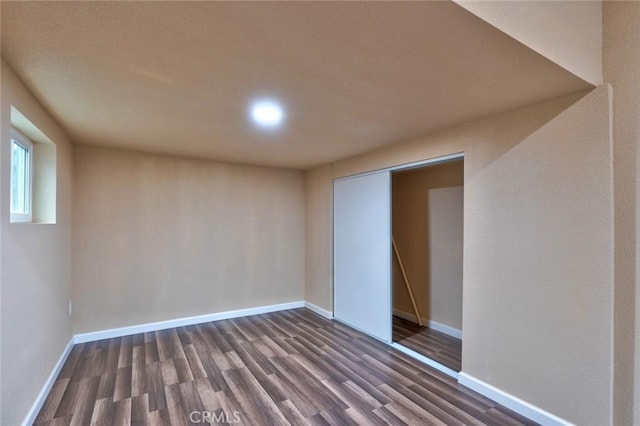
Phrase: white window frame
pixel 20 139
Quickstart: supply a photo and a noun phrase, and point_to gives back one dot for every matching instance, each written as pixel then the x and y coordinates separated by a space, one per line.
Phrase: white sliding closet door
pixel 362 253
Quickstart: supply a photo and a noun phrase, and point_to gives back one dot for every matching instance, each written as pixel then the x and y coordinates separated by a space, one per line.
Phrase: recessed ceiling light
pixel 267 113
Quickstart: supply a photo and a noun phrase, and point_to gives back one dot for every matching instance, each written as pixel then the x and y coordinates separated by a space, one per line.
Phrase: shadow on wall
pixel 538 264
pixel 483 141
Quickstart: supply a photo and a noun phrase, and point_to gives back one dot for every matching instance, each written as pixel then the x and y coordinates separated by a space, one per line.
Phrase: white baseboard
pixel 450 331
pixel 431 363
pixel 181 322
pixel 514 403
pixel 48 384
pixel 453 332
pixel 154 326
pixel 318 310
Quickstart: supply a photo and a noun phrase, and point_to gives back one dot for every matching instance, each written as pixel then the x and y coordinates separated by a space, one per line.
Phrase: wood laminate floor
pixel 289 367
pixel 438 346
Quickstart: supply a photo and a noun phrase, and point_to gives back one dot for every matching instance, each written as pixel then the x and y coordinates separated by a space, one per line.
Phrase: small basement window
pixel 21 177
pixel 33 173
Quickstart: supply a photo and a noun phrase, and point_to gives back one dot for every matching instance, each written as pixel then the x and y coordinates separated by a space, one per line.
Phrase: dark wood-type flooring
pixel 289 367
pixel 433 344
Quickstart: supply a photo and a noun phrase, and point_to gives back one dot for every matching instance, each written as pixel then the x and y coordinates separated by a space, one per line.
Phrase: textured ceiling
pixel 177 77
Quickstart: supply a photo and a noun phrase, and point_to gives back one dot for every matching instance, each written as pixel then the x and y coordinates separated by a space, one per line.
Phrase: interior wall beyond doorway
pixel 436 298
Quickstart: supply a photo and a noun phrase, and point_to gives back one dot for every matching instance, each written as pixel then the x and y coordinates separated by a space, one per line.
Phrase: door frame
pixel 405 166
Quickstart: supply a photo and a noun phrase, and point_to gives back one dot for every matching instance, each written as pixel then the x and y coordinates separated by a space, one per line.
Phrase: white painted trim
pixel 431 363
pixel 48 384
pixel 442 328
pixel 516 404
pixel 428 162
pixel 453 332
pixel 27 144
pixel 161 325
pixel 318 310
pixel 181 322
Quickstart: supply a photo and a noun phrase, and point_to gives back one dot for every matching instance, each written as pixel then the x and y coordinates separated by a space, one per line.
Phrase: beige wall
pixel 621 64
pixel 157 238
pixel 531 174
pixel 538 266
pixel 44 184
pixel 36 269
pixel 567 32
pixel 438 300
pixel 319 238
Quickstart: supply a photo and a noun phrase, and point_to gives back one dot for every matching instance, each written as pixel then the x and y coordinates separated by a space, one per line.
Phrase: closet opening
pixel 427 249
